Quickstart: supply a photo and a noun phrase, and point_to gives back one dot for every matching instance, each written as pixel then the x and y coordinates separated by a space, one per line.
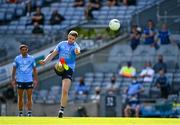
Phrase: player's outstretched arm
pixel 48 58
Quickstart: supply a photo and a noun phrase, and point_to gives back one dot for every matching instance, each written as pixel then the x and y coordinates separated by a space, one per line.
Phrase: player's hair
pixel 73 33
pixel 22 46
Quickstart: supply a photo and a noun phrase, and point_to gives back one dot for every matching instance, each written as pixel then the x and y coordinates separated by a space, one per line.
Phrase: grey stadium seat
pixel 120 54
pixel 142 54
pixel 170 53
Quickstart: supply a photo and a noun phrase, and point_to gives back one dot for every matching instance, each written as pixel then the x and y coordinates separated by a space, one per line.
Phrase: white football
pixel 59 67
pixel 114 24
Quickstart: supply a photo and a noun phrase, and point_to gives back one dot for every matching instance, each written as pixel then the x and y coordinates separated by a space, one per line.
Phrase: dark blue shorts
pixel 66 74
pixel 24 85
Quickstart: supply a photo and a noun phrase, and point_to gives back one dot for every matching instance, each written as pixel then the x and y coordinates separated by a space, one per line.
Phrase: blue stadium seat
pixel 98 80
pixel 39 3
pixel 2 16
pixel 89 74
pixel 20 29
pixel 3 29
pixel 9 16
pixel 47 29
pixel 12 29
pixel 62 10
pixel 19 11
pixel 88 79
pixel 55 5
pixel 4 5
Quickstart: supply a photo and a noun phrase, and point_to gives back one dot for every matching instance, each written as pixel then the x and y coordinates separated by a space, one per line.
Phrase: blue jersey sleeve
pixel 33 63
pixel 146 31
pixel 77 46
pixel 57 48
pixel 15 62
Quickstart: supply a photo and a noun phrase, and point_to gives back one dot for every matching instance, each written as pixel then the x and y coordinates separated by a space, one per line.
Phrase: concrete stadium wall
pixel 52 109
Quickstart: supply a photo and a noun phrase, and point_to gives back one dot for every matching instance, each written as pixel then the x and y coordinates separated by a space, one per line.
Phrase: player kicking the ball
pixel 67 51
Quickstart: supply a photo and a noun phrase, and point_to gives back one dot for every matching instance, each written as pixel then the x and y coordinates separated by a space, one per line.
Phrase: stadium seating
pixel 143 54
pixel 18 20
pixel 124 13
pixel 120 54
pixel 170 53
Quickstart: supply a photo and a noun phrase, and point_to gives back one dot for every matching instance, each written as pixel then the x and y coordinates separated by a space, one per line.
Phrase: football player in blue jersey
pixel 24 77
pixel 67 51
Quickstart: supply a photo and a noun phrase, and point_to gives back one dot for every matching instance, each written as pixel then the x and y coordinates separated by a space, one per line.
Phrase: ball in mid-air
pixel 59 67
pixel 114 24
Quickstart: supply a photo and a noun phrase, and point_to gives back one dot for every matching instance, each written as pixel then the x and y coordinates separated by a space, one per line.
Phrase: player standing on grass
pixel 24 76
pixel 67 50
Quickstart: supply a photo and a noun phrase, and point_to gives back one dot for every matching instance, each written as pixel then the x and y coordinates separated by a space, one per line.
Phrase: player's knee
pixel 20 98
pixel 137 109
pixel 29 97
pixel 126 109
pixel 20 102
pixel 65 92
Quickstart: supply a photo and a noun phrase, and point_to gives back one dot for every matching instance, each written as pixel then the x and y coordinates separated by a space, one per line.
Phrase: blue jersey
pixel 164 37
pixel 134 88
pixel 24 68
pixel 149 40
pixel 66 51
